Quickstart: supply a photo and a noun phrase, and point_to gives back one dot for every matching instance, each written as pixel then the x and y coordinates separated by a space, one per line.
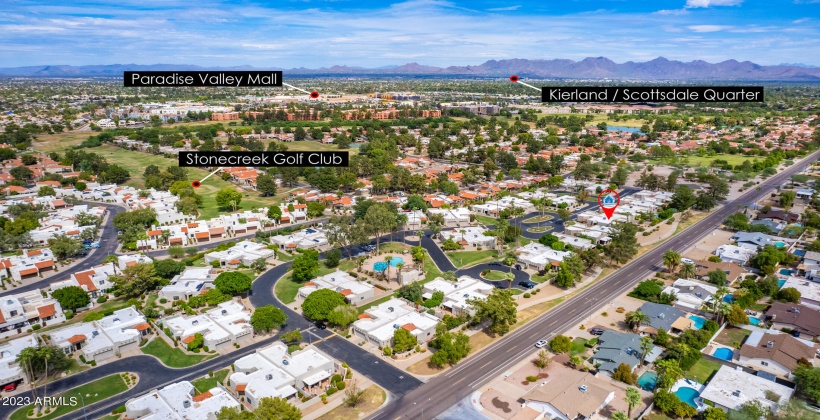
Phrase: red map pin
pixel 609 201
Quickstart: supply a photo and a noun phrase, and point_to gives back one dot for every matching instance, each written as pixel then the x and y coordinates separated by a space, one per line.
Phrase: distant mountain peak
pixel 659 68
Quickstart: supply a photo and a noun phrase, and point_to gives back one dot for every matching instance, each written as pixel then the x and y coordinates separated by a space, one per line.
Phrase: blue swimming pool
pixel 648 380
pixel 785 272
pixel 780 283
pixel 800 252
pixel 723 353
pixel 754 321
pixel 688 395
pixel 728 298
pixel 699 321
pixel 382 265
pixel 780 244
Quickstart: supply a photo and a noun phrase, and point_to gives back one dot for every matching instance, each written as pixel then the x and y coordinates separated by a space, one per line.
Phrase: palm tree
pixel 387 259
pixel 688 271
pixel 510 277
pixel 635 319
pixel 619 415
pixel 723 310
pixel 633 398
pixel 422 253
pixel 501 227
pixel 420 233
pixel 717 298
pixel 671 260
pixel 462 234
pixel 399 266
pixel 45 353
pixel 26 359
pixel 646 345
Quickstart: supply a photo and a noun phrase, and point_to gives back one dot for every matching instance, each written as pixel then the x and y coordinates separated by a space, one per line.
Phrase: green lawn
pixel 540 279
pixel 393 247
pixel 495 275
pixel 578 346
pixel 694 160
pixel 732 334
pixel 91 393
pixel 170 356
pixel 136 162
pixel 468 258
pixel 486 221
pixel 537 219
pixel 286 289
pixel 205 383
pixel 702 370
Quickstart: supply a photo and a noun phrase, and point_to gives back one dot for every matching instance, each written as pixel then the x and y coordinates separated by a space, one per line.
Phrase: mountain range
pixel 588 68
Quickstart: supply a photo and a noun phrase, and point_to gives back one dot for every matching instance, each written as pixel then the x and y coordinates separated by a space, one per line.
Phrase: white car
pixel 686 261
pixel 540 343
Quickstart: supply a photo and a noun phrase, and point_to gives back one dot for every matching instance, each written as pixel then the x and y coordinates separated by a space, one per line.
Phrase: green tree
pixel 403 340
pixel 619 415
pixel 45 191
pixel 135 281
pixel 789 294
pixel 343 315
pixel 176 251
pixel 71 297
pixel 21 173
pixel 228 197
pixel 412 292
pixel 305 266
pixel 754 409
pixel 737 221
pixel 320 303
pixel 632 398
pixel 64 246
pixel 450 347
pixel 636 319
pixel 353 395
pixel 560 344
pixel 233 283
pixel 688 271
pixel 620 176
pixel 499 307
pixel 292 337
pixel 266 185
pixel 265 319
pixel 276 409
pixel 808 382
pixel 625 374
pixel 624 243
pixel 380 219
pixel 787 199
pixel 167 269
pixel 564 278
pixel 671 260
pixel 713 413
pixel 737 316
pixel 197 342
pixel 669 372
pixel 717 277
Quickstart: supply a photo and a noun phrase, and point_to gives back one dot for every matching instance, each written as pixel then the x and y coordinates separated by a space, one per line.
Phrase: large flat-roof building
pixel 731 388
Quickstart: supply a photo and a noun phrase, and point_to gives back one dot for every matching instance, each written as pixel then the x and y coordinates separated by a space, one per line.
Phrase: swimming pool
pixel 728 298
pixel 754 321
pixel 780 283
pixel 780 244
pixel 723 353
pixel 688 395
pixel 648 380
pixel 699 321
pixel 382 265
pixel 799 252
pixel 785 272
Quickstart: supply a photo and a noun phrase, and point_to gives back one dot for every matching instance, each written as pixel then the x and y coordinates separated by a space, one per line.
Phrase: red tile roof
pixel 46 311
pixel 44 264
pixel 74 339
pixel 203 396
pixel 409 327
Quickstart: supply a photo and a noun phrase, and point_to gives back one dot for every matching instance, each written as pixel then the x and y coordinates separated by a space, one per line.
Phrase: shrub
pixel 118 410
pixel 35 327
pixel 102 299
pixel 330 391
pixel 526 295
pixel 163 301
pixel 335 378
pixel 531 378
pixel 340 385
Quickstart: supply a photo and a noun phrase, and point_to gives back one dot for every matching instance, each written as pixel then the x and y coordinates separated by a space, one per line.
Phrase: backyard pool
pixel 723 353
pixel 647 381
pixel 699 321
pixel 780 283
pixel 754 321
pixel 780 244
pixel 785 272
pixel 799 252
pixel 688 395
pixel 728 298
pixel 382 265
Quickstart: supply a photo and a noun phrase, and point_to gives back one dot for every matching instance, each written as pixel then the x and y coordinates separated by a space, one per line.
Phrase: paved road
pixel 108 245
pixel 447 389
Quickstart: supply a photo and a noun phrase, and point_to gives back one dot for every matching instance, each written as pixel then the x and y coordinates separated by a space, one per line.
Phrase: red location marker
pixel 196 184
pixel 513 78
pixel 609 201
pixel 314 94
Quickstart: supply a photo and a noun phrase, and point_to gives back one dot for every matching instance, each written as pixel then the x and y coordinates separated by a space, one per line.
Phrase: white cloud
pixel 710 3
pixel 505 9
pixel 673 12
pixel 708 28
pixel 799 21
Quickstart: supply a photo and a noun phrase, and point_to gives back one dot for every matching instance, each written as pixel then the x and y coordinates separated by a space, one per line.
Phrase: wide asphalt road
pixel 108 245
pixel 447 389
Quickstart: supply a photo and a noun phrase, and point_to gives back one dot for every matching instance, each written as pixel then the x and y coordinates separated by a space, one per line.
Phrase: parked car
pixel 596 331
pixel 86 247
pixel 540 343
pixel 518 266
pixel 95 245
pixel 686 261
pixel 527 284
pixel 10 387
pixel 320 325
pixel 495 263
pixel 87 242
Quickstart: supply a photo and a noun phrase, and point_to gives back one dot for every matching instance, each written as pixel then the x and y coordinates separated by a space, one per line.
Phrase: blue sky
pixel 317 33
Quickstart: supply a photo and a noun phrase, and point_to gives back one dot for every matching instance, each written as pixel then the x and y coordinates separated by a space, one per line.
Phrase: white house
pixel 469 236
pixel 691 294
pixel 456 294
pixel 308 238
pixel 273 372
pixel 179 401
pixel 540 257
pixel 95 281
pixel 245 252
pixel 188 283
pixel 354 291
pixel 10 372
pixel 378 324
pixel 124 261
pixel 731 388
pixel 775 352
pixel 103 339
pixel 736 254
pixel 219 326
pixel 809 290
pixel 19 312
